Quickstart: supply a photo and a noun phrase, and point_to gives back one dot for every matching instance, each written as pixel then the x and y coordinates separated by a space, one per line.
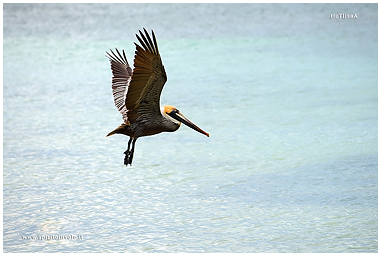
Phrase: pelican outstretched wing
pixel 148 79
pixel 121 79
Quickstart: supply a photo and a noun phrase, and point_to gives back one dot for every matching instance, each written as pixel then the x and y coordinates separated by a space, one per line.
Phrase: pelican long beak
pixel 181 118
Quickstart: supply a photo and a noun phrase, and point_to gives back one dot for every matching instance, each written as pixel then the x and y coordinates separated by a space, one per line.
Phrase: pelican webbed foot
pixel 128 157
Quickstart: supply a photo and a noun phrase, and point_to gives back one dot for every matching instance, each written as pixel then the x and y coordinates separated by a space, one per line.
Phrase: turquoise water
pixel 288 96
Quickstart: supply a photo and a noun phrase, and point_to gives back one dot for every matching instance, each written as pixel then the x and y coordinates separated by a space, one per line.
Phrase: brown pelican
pixel 137 94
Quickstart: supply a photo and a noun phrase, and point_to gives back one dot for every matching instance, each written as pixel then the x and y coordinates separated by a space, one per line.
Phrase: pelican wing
pixel 121 79
pixel 148 79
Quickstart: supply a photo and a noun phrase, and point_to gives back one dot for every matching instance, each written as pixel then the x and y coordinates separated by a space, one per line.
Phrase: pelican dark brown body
pixel 137 94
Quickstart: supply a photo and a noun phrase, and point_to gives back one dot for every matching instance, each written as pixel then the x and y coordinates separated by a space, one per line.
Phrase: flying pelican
pixel 137 94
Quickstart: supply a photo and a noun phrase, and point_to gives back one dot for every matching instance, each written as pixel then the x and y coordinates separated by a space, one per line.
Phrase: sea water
pixel 287 93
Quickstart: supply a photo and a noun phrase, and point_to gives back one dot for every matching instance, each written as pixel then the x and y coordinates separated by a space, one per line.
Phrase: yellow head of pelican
pixel 173 114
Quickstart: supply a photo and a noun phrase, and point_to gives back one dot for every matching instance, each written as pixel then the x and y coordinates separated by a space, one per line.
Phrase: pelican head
pixel 174 115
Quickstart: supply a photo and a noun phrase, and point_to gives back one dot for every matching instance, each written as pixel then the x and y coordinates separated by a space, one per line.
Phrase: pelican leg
pixel 129 153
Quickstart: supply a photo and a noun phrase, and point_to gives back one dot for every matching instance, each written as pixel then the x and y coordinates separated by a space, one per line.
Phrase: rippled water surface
pixel 288 95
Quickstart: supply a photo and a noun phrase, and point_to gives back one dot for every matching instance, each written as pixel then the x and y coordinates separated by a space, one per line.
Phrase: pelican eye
pixel 175 111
